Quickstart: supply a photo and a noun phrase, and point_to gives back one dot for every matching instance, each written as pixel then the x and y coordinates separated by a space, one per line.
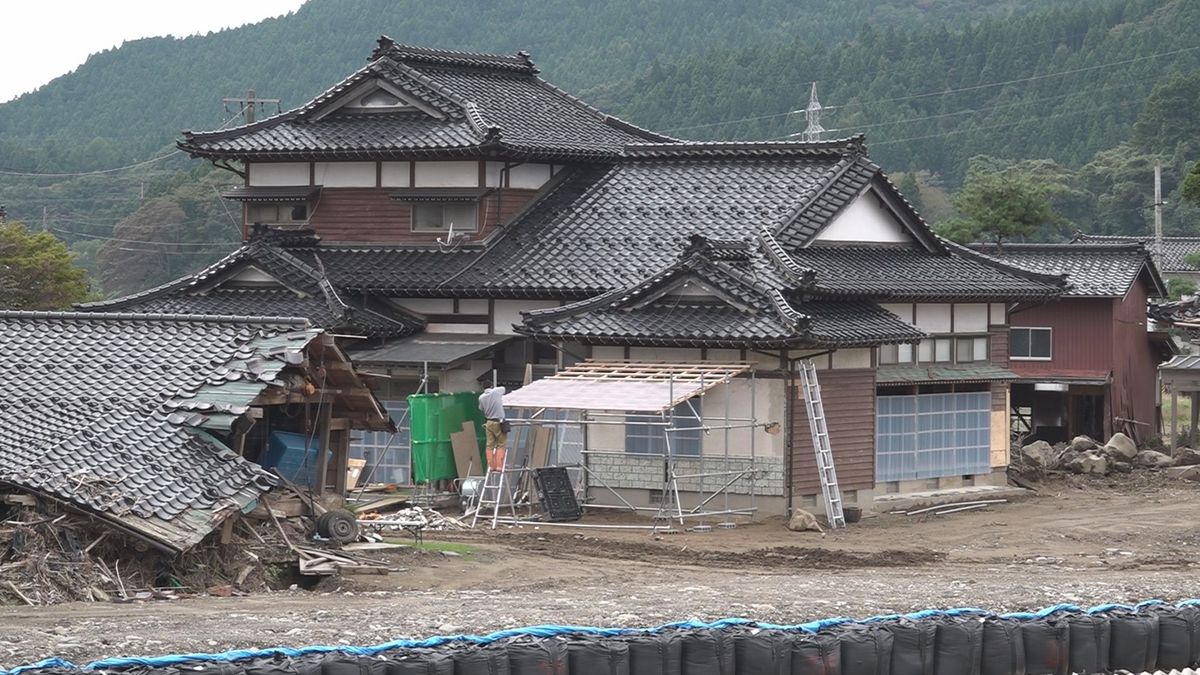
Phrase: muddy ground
pixel 1082 541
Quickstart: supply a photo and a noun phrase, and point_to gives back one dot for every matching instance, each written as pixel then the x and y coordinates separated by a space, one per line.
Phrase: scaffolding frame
pixel 684 383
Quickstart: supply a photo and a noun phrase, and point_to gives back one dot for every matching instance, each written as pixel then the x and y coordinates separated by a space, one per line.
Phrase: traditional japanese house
pixel 1087 362
pixel 461 221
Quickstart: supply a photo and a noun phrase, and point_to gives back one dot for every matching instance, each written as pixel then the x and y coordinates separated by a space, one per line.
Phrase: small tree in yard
pixel 996 207
pixel 37 271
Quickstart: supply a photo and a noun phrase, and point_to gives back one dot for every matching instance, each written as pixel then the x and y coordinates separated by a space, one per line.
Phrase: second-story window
pixel 938 349
pixel 439 216
pixel 277 214
pixel 1031 344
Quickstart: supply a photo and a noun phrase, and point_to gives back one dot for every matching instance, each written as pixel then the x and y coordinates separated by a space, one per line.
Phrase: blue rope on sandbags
pixel 557 630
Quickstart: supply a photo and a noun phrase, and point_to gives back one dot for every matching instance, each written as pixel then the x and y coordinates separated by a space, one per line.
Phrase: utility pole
pixel 249 105
pixel 1158 204
pixel 812 115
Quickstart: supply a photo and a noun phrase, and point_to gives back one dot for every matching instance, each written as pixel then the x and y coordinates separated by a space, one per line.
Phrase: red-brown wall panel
pixel 1082 337
pixel 849 397
pixel 371 215
pixel 1134 389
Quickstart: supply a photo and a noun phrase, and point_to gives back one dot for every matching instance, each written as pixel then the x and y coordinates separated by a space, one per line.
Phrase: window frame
pixel 286 205
pixel 1030 329
pixel 684 444
pixel 412 216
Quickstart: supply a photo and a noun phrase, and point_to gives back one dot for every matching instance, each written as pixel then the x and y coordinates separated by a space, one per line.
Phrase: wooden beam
pixel 341 464
pixel 323 423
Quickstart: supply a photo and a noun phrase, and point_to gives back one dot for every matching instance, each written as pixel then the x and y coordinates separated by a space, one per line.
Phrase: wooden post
pixel 1193 397
pixel 1174 419
pixel 323 432
pixel 341 457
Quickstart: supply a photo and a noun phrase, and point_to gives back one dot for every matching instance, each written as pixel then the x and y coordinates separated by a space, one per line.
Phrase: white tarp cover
pixel 622 386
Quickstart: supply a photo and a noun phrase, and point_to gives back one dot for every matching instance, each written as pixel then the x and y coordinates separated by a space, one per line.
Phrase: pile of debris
pixel 51 555
pixel 1120 454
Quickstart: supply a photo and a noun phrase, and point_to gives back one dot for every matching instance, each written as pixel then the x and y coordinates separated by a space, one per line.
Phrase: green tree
pixel 996 207
pixel 37 271
pixel 1177 288
pixel 1191 185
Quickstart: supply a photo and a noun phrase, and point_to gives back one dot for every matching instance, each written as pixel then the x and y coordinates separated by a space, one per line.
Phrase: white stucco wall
pixel 866 221
pixel 394 174
pixel 508 312
pixel 278 173
pixel 446 174
pixel 344 174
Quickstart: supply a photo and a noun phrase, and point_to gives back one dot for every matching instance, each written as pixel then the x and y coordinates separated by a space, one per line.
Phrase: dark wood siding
pixel 1134 391
pixel 998 342
pixel 498 207
pixel 371 215
pixel 849 397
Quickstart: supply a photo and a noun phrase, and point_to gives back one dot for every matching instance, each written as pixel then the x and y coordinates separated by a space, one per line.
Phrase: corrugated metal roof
pixel 899 375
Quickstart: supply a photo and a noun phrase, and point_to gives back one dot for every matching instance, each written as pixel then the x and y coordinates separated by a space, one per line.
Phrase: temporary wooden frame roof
pixel 624 386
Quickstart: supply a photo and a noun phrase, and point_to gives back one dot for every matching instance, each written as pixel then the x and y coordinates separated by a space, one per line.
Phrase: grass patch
pixel 439 546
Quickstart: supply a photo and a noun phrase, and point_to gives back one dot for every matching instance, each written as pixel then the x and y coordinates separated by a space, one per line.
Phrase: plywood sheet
pixel 465 445
pixel 541 447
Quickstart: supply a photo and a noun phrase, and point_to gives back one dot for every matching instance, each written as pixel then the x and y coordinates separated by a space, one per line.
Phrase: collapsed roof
pixel 119 415
pixel 411 101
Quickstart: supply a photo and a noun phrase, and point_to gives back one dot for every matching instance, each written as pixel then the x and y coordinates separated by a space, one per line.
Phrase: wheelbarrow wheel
pixel 339 526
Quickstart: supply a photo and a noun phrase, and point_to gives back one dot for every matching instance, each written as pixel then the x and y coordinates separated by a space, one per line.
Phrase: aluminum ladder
pixel 821 445
pixel 494 483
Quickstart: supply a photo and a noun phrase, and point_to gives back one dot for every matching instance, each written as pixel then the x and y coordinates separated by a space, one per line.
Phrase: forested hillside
pixel 1082 95
pixel 123 104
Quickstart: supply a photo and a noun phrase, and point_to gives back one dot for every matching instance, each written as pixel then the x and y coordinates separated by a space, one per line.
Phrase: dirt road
pixel 1083 542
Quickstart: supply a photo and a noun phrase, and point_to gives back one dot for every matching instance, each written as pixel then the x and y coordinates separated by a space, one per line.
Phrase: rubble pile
pixel 1084 455
pixel 51 556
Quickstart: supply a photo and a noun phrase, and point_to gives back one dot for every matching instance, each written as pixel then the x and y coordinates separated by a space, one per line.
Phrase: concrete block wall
pixel 645 472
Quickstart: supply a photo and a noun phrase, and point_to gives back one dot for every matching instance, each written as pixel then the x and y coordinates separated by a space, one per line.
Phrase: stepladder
pixel 494 494
pixel 818 425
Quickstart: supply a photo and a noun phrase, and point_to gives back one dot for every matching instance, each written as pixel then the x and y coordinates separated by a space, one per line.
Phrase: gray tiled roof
pixel 888 273
pixel 473 103
pixel 109 411
pixel 1172 258
pixel 1106 270
pixel 607 227
pixel 304 291
pixel 740 304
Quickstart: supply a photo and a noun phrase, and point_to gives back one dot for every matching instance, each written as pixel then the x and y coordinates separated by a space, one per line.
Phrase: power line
pixel 944 92
pixel 145 242
pixel 13 172
pixel 74 174
pixel 1000 126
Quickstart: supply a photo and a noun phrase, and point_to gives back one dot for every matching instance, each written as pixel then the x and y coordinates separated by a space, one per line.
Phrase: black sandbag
pixel 417 662
pixel 655 653
pixel 309 664
pixel 768 652
pixel 819 654
pixel 958 646
pixel 537 657
pixel 866 650
pixel 912 646
pixel 1178 636
pixel 1046 647
pixel 1089 643
pixel 598 657
pixel 708 652
pixel 1003 648
pixel 1134 641
pixel 338 663
pixel 489 660
pixel 277 665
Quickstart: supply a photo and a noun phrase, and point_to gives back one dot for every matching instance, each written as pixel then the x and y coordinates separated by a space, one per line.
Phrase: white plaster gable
pixel 865 220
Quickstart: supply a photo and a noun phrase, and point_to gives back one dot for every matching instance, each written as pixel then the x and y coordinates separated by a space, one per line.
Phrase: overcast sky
pixel 43 39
